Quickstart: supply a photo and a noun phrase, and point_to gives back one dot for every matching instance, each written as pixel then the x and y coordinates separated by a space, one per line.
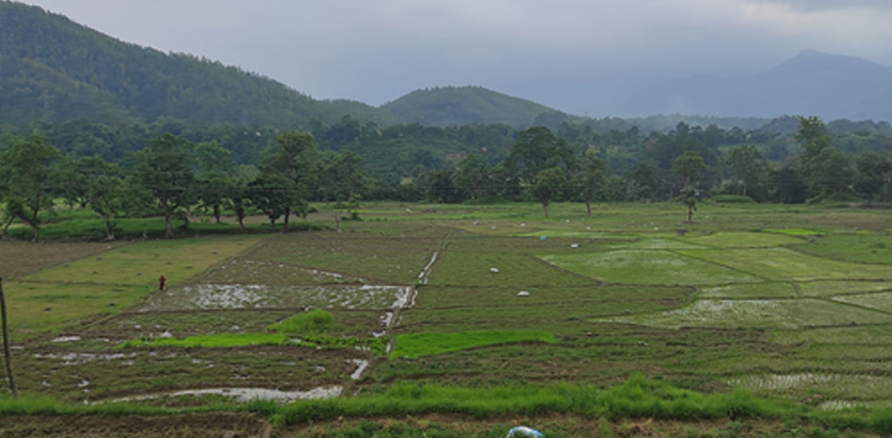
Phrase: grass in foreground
pixel 426 344
pixel 225 340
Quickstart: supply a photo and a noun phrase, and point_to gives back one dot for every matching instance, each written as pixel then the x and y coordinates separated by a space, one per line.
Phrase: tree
pixel 688 197
pixel 288 161
pixel 214 176
pixel 165 168
pixel 240 192
pixel 471 176
pixel 103 189
pixel 549 185
pixel 28 169
pixel 874 175
pixel 812 136
pixel 274 195
pixel 537 149
pixel 590 176
pixel 747 165
pixel 829 173
pixel 688 167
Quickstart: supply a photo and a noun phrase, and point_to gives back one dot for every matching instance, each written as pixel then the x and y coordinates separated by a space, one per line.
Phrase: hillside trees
pixel 29 167
pixel 287 169
pixel 747 166
pixel 166 169
pixel 549 184
pixel 591 175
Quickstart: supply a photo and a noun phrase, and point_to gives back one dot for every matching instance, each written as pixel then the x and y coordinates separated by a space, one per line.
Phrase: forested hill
pixel 53 69
pixel 455 106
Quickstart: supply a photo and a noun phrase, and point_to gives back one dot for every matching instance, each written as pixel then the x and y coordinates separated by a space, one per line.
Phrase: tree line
pixel 172 176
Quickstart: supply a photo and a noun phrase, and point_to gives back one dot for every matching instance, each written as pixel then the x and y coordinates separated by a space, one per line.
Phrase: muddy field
pixel 630 290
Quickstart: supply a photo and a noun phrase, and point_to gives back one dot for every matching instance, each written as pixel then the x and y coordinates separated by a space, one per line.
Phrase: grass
pixel 737 239
pixel 426 344
pixel 879 301
pixel 648 267
pixel 793 231
pixel 831 288
pixel 786 264
pixel 20 259
pixel 143 262
pixel 38 307
pixel 862 247
pixel 229 340
pixel 313 322
pixel 784 314
pixel 750 290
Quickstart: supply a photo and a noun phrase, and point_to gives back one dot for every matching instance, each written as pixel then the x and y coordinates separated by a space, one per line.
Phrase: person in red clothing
pixel 161 282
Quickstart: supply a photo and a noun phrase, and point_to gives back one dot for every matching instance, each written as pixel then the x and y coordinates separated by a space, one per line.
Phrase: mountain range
pixel 811 83
pixel 53 69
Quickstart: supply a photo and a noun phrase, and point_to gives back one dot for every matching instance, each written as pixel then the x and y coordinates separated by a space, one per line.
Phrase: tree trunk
pixel 109 229
pixel 6 228
pixel 272 223
pixel 287 219
pixel 217 213
pixel 35 229
pixel 241 222
pixel 12 387
pixel 588 207
pixel 545 207
pixel 744 188
pixel 690 214
pixel 168 228
pixel 338 219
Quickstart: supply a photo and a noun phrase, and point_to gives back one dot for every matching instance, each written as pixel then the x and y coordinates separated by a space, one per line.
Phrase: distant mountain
pixel 450 106
pixel 54 69
pixel 811 83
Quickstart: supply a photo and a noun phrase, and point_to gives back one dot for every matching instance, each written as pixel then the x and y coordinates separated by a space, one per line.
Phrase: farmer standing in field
pixel 161 282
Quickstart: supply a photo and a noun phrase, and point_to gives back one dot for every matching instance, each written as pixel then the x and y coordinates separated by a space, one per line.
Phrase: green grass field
pixel 733 313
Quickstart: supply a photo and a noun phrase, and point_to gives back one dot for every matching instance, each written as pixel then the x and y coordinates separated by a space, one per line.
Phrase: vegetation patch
pixel 426 344
pixel 142 263
pixel 750 290
pixel 741 239
pixel 879 301
pixel 831 288
pixel 862 247
pixel 313 322
pixel 794 231
pixel 847 336
pixel 260 296
pixel 786 264
pixel 373 345
pixel 789 314
pixel 648 267
pixel 41 307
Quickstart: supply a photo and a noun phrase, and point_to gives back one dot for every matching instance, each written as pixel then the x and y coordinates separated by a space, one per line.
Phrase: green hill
pixel 54 69
pixel 455 106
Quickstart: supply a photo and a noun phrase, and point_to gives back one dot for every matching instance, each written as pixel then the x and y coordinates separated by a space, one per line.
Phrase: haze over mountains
pixel 53 69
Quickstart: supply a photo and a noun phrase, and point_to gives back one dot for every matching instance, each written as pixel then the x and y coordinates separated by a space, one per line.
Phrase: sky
pixel 580 56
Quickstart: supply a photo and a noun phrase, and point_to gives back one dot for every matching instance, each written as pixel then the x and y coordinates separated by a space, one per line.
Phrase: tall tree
pixel 747 165
pixel 215 172
pixel 166 168
pixel 689 167
pixel 548 186
pixel 874 175
pixel 472 175
pixel 589 177
pixel 289 159
pixel 103 189
pixel 537 149
pixel 688 197
pixel 28 169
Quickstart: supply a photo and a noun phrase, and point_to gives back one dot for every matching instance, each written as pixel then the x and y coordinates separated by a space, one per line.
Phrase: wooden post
pixel 15 392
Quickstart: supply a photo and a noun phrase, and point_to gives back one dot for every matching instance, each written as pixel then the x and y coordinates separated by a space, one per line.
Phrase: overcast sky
pixel 576 55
